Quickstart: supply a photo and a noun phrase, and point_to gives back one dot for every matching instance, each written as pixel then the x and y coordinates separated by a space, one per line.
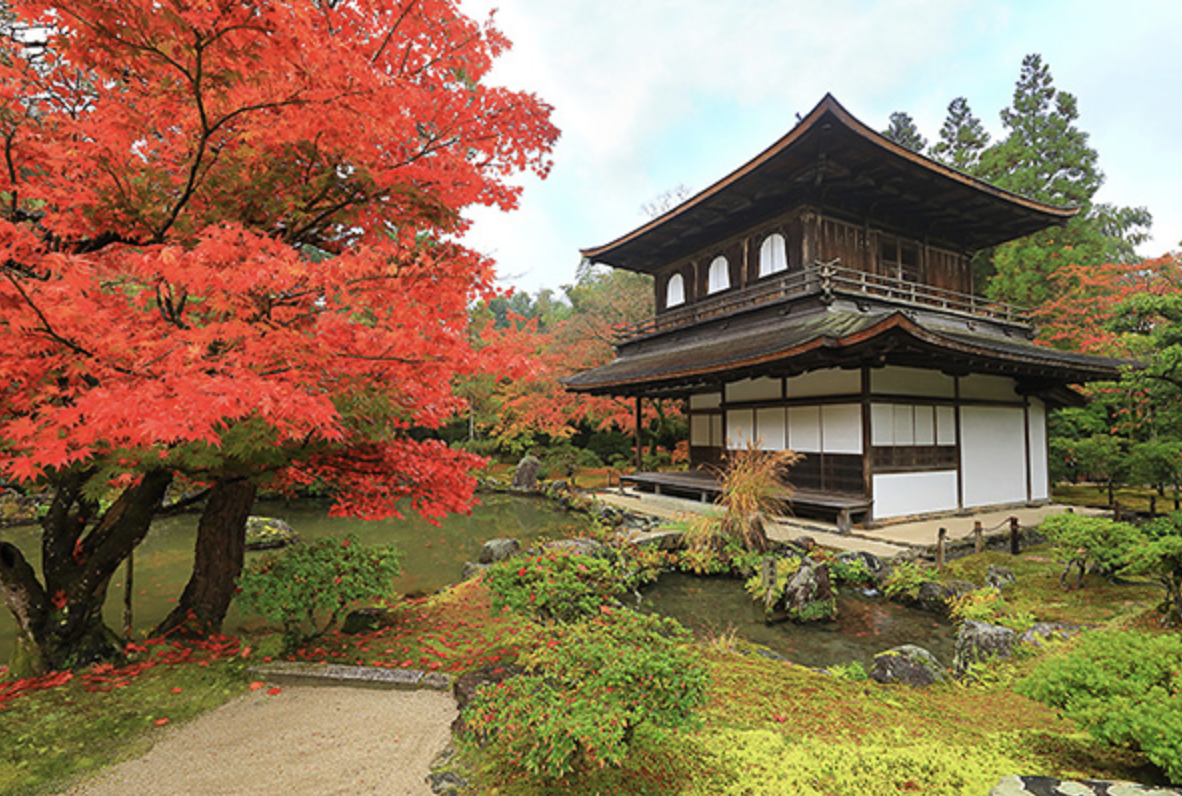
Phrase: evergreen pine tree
pixel 904 132
pixel 1046 157
pixel 962 138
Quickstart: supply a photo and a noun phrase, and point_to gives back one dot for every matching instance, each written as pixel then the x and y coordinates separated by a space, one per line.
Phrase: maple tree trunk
pixel 218 557
pixel 59 617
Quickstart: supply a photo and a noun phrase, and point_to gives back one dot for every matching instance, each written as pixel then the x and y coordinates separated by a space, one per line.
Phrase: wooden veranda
pixel 703 485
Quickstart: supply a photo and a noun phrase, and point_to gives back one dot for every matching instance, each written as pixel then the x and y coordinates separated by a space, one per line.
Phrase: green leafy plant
pixel 905 580
pixel 988 605
pixel 853 671
pixel 587 687
pixel 1124 687
pixel 307 588
pixel 555 585
pixel 852 571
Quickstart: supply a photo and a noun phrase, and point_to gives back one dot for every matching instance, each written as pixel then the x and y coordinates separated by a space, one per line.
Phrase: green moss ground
pixel 769 727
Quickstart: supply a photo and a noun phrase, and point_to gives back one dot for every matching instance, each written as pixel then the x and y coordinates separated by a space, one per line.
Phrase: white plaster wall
pixel 925 425
pixel 716 431
pixel 993 455
pixel 945 425
pixel 706 400
pixel 901 494
pixel 882 424
pixel 771 428
pixel 740 425
pixel 990 388
pixel 804 429
pixel 833 381
pixel 753 390
pixel 841 428
pixel 911 381
pixel 1040 483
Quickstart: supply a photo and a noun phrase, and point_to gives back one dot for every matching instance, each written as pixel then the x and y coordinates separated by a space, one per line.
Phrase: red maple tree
pixel 229 234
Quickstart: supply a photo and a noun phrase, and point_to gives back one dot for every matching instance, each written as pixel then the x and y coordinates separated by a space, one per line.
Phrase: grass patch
pixel 1039 592
pixel 1135 498
pixel 104 715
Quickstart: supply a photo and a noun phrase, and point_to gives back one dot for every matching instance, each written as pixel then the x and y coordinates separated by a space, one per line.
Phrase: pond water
pixel 864 626
pixel 432 557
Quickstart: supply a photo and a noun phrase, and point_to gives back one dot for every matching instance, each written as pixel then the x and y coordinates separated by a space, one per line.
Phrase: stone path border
pixel 361 676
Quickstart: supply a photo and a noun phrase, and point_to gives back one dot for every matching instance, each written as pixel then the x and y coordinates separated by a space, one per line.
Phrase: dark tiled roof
pixel 836 336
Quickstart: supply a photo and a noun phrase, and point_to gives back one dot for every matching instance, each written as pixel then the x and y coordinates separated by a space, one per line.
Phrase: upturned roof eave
pixel 1083 368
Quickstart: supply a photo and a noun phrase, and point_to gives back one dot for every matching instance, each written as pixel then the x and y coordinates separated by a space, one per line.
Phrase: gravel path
pixel 306 739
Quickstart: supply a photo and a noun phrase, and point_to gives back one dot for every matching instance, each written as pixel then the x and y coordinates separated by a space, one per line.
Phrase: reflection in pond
pixel 865 626
pixel 432 556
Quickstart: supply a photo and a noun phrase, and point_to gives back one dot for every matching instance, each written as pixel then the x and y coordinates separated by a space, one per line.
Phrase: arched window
pixel 773 255
pixel 675 291
pixel 720 275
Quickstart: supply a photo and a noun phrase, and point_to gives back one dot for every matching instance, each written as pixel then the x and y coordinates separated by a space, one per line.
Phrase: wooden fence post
pixel 1014 541
pixel 940 548
pixel 978 541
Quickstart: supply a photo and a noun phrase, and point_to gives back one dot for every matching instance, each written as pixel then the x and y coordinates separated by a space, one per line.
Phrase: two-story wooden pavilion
pixel 820 298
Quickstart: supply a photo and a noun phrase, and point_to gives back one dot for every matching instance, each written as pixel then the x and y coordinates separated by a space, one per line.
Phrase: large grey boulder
pixel 495 550
pixel 808 596
pixel 525 477
pixel 978 642
pixel 907 664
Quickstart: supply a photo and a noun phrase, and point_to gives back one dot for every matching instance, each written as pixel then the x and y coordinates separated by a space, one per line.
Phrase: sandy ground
pixel 305 740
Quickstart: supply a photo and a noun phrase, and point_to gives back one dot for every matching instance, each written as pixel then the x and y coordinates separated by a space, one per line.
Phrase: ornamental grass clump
pixel 588 686
pixel 307 588
pixel 754 485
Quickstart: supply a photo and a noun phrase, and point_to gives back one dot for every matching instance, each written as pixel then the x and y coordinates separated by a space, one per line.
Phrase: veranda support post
pixel 639 453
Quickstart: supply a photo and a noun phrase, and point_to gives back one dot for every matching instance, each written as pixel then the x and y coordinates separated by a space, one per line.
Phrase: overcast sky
pixel 650 94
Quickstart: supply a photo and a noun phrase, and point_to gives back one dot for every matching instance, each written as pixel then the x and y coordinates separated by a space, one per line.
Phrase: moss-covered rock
pixel 269 533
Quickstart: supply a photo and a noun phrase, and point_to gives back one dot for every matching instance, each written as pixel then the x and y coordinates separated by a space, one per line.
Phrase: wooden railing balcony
pixel 829 279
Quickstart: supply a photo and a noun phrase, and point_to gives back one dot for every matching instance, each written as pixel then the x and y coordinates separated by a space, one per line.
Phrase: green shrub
pixel 555 585
pixel 1160 557
pixel 1080 541
pixel 587 687
pixel 308 586
pixel 905 579
pixel 1124 687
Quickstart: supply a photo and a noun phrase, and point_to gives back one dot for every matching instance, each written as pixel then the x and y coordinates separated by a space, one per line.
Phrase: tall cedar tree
pixel 1045 156
pixel 904 132
pixel 229 252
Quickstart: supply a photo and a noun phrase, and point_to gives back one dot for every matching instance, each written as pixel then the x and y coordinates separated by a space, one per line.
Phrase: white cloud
pixel 650 93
